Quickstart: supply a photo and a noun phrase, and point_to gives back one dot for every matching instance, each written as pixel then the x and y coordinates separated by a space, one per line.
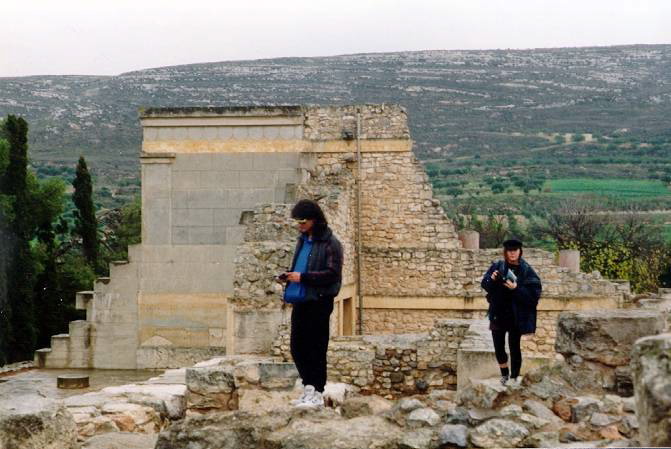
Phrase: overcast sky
pixel 108 37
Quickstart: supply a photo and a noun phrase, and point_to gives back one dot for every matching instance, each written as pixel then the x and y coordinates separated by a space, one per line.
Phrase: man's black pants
pixel 514 338
pixel 310 339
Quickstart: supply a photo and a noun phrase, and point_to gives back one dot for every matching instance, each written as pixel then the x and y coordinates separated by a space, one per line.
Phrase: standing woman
pixel 312 283
pixel 513 290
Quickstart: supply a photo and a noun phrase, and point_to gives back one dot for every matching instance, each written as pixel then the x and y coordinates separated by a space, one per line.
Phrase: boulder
pixel 605 336
pixel 511 411
pixel 539 409
pixel 364 406
pixel 419 439
pixel 542 439
pixel 602 420
pixel 532 422
pixel 582 408
pixel 498 433
pixel 34 422
pixel 454 435
pixel 423 417
pixel 652 387
pixel 482 393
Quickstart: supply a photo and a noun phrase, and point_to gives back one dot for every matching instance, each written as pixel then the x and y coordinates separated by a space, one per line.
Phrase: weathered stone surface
pixel 407 405
pixel 133 417
pixel 419 439
pixel 651 366
pixel 223 430
pixel 454 434
pixel 356 433
pixel 121 440
pixel 583 407
pixel 612 404
pixel 498 433
pixel 262 401
pixel 628 426
pixel 602 420
pixel 211 388
pixel 540 410
pixel 532 422
pixel 423 417
pixel 542 439
pixel 479 415
pixel 482 393
pixel 365 405
pixel 605 336
pixel 172 395
pixel 511 411
pixel 34 422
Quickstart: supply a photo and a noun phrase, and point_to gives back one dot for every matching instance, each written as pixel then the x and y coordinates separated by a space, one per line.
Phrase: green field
pixel 630 188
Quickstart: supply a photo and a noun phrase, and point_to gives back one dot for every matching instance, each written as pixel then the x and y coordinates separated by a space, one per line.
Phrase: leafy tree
pixel 86 222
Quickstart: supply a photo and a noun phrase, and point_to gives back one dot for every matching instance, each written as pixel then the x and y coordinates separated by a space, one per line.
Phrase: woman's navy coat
pixel 524 298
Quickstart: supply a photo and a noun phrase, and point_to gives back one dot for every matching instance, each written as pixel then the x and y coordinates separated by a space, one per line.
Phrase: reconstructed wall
pixel 217 188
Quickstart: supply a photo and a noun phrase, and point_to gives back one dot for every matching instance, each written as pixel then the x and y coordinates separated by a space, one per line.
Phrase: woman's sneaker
pixel 308 390
pixel 315 400
pixel 504 380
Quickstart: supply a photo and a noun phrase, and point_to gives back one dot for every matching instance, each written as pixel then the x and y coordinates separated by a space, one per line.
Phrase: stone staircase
pixel 74 349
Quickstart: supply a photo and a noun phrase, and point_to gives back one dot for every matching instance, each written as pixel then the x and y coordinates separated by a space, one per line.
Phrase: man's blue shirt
pixel 295 291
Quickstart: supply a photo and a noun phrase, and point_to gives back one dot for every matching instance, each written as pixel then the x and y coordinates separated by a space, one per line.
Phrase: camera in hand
pixel 505 274
pixel 282 276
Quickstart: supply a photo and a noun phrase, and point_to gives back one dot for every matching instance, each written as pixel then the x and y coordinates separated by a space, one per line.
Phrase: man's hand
pixel 511 285
pixel 294 276
pixel 495 275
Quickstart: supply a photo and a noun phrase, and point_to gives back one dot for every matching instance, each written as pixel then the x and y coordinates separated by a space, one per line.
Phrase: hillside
pixel 575 112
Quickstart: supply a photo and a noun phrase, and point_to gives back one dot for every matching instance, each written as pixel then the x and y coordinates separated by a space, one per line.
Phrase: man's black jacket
pixel 522 301
pixel 324 273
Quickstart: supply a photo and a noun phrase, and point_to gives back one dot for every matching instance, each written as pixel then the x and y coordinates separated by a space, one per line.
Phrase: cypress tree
pixel 87 224
pixel 21 273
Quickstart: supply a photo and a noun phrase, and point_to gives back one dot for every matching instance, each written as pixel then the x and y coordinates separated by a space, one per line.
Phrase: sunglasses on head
pixel 301 220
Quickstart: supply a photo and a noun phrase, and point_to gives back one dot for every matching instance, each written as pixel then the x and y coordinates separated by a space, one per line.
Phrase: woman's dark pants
pixel 310 339
pixel 499 337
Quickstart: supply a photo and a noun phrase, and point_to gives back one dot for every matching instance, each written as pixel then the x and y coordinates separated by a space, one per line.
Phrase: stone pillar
pixel 652 389
pixel 469 239
pixel 570 258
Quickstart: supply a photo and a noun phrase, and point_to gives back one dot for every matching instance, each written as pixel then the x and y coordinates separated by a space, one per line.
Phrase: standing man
pixel 513 290
pixel 312 283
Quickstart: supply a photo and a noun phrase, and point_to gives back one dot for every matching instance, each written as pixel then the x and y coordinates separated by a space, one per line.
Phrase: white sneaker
pixel 514 382
pixel 315 400
pixel 308 390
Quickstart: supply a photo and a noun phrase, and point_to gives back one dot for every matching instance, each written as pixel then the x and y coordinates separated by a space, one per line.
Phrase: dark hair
pixel 310 210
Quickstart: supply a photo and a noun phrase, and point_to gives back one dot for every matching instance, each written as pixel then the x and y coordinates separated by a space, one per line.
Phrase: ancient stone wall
pixel 386 121
pixel 392 365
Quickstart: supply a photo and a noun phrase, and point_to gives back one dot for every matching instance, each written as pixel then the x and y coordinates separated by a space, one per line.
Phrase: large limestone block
pixel 211 388
pixel 314 433
pixel 498 433
pixel 605 336
pixel 651 366
pixel 35 422
pixel 225 430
